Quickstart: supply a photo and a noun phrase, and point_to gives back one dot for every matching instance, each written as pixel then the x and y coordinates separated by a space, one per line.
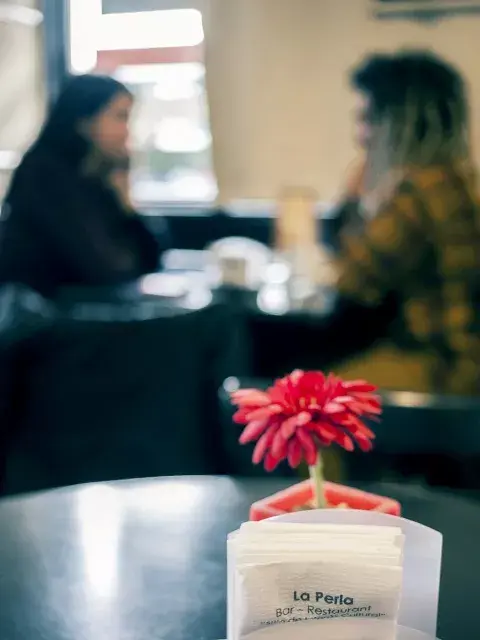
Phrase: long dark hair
pixel 83 97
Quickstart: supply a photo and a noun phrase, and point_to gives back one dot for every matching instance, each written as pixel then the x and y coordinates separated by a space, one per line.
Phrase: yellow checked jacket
pixel 423 246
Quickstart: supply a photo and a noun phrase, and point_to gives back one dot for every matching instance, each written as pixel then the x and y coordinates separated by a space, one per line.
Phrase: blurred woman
pixel 408 311
pixel 67 218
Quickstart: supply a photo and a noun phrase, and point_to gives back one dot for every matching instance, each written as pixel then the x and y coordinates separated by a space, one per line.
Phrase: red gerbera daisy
pixel 305 411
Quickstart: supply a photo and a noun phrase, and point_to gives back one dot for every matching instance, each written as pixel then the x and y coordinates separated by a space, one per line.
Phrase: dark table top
pixel 145 560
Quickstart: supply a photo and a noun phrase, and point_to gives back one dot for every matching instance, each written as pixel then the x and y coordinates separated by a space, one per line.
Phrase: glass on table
pixel 289 283
pixel 238 262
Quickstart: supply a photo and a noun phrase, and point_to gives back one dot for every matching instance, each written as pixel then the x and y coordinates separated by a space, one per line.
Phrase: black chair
pixel 108 399
pixel 23 313
pixel 429 423
pixel 432 438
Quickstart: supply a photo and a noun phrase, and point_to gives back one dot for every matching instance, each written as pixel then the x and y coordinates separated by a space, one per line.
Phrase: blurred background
pixel 202 196
pixel 242 138
pixel 280 82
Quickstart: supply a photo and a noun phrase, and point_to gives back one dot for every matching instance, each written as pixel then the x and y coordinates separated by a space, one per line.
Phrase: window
pixel 158 54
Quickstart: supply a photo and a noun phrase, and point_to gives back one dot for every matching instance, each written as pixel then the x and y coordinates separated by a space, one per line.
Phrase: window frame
pixel 55 45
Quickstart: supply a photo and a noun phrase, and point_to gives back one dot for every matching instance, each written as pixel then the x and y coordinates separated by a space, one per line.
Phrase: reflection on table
pixel 275 284
pixel 250 276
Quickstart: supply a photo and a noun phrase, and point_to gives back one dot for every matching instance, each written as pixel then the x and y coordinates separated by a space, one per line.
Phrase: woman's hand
pixel 355 184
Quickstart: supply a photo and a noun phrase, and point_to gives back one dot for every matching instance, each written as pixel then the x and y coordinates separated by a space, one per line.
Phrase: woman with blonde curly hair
pixel 408 313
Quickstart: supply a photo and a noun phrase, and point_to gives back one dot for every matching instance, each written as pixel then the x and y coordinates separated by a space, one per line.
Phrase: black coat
pixel 61 228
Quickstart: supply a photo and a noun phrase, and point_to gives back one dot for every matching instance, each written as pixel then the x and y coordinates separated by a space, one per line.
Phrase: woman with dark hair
pixel 67 219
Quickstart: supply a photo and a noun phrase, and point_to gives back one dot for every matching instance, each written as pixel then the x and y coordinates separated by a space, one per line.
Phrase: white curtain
pixel 21 88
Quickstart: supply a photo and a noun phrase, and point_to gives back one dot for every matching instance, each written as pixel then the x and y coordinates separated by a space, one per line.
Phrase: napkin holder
pixel 421 569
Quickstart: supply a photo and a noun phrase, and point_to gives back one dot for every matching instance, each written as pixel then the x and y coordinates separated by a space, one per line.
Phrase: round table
pixel 146 559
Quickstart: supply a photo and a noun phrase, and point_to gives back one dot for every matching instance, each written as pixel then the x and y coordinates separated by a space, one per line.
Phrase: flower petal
pixel 296 376
pixel 345 441
pixel 361 395
pixel 290 425
pixel 277 395
pixel 333 407
pixel 359 385
pixel 345 399
pixel 263 412
pixel 279 446
pixel 294 453
pixel 304 418
pixel 308 445
pixel 241 416
pixel 263 445
pixel 271 462
pixel 363 442
pixel 325 431
pixel 250 397
pixel 355 425
pixel 321 442
pixel 253 431
pixel 366 400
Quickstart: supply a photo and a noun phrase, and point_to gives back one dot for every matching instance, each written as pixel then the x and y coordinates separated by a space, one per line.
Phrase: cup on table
pixel 238 262
pixel 233 271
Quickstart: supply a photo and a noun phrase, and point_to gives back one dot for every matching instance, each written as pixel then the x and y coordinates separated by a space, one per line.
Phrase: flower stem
pixel 316 476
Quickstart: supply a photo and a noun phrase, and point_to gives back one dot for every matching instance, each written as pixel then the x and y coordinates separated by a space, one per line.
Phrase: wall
pixel 279 97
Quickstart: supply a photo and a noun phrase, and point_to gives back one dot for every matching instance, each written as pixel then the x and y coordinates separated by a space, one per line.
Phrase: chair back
pixel 23 313
pixel 112 399
pixel 427 423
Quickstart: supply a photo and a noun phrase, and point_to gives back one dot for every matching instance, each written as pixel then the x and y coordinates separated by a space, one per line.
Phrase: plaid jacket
pixel 424 245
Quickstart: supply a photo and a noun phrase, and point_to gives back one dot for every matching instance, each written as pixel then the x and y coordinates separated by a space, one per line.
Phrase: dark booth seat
pixel 106 399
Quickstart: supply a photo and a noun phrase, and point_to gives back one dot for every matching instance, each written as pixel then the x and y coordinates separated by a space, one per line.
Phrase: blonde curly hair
pixel 418 115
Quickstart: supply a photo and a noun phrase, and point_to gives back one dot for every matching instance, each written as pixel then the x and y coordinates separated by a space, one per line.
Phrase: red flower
pixel 305 411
